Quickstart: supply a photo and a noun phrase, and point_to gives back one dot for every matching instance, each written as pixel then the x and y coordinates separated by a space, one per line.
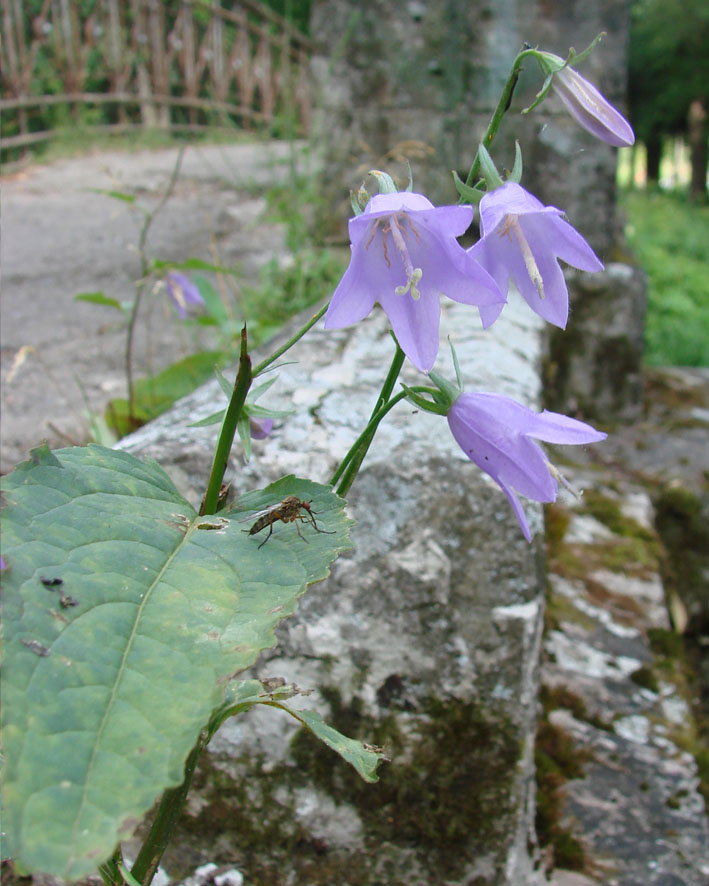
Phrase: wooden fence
pixel 169 64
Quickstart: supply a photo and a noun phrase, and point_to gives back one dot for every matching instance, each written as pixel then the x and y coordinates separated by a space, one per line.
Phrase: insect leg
pixel 270 533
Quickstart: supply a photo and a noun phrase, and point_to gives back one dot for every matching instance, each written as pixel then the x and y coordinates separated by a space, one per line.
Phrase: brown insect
pixel 290 510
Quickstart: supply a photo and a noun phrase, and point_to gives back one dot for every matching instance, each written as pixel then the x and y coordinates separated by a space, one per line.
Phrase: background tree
pixel 669 80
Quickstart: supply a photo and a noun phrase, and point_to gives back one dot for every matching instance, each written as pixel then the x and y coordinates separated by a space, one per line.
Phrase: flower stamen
pixel 413 275
pixel 512 228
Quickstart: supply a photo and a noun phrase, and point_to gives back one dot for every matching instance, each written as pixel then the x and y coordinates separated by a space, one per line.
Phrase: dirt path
pixel 60 238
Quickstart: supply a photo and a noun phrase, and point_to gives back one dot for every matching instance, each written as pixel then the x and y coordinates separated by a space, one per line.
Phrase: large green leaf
pixel 126 615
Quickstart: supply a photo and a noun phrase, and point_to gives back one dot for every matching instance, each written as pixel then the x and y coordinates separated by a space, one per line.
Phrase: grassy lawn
pixel 670 238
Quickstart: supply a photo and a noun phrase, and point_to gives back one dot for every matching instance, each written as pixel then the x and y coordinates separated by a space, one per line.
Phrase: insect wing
pixel 256 515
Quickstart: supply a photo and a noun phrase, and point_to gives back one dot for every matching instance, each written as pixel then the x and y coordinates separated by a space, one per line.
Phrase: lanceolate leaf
pixel 126 616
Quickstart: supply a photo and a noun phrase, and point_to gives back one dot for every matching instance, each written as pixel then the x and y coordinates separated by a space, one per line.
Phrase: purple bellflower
pixel 495 432
pixel 182 291
pixel 260 428
pixel 590 109
pixel 522 241
pixel 405 255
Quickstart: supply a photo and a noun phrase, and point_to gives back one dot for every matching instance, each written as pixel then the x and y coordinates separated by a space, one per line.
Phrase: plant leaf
pixel 364 758
pixel 117 659
pixel 99 298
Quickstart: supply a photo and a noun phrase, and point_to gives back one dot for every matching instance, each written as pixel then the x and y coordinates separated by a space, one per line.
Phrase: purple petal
pixel 523 241
pixel 510 199
pixel 355 294
pixel 591 110
pixel 415 324
pixel 260 428
pixel 498 448
pixel 563 240
pixel 182 291
pixel 518 510
pixel 495 431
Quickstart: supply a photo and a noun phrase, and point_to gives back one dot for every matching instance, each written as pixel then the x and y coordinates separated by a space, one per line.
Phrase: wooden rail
pixel 168 64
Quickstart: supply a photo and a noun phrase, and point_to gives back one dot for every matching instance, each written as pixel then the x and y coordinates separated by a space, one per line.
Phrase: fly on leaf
pixel 291 510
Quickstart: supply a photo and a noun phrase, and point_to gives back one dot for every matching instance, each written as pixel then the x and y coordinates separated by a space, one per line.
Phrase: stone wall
pixel 418 81
pixel 425 638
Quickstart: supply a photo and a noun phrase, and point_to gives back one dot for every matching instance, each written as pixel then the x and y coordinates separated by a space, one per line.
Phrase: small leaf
pixel 103 700
pixel 363 758
pixel 224 383
pixel 212 419
pixel 192 264
pixel 116 195
pixel 99 298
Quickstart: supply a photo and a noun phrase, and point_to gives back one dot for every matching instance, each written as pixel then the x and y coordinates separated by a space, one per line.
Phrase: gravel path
pixel 60 238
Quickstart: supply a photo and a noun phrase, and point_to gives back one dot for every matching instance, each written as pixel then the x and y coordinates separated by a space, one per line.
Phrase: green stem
pixel 351 463
pixel 369 430
pixel 228 429
pixel 144 271
pixel 169 810
pixel 291 341
pixel 499 112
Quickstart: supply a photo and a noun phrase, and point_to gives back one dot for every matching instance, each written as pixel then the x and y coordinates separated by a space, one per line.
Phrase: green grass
pixel 670 238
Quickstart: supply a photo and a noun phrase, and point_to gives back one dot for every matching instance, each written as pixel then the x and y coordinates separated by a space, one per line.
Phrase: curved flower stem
pixel 502 106
pixel 291 341
pixel 144 271
pixel 354 458
pixel 366 436
pixel 228 429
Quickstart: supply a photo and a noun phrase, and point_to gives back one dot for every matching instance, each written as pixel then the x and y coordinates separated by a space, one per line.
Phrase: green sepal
pixel 456 364
pixel 516 174
pixel 449 391
pixel 410 185
pixel 491 175
pixel 354 203
pixel 471 195
pixel 437 407
pixel 385 181
pixel 242 426
pixel 574 57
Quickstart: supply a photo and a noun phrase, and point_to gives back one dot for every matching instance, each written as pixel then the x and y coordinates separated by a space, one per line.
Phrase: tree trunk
pixel 654 155
pixel 698 149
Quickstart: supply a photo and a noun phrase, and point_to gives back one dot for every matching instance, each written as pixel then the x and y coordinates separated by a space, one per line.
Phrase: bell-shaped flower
pixel 182 291
pixel 405 255
pixel 522 240
pixel 591 110
pixel 496 433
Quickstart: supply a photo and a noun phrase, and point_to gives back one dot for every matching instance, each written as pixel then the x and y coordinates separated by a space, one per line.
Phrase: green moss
pixel 556 522
pixel 665 644
pixel 644 677
pixel 554 697
pixel 557 760
pixel 607 511
pixel 449 790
